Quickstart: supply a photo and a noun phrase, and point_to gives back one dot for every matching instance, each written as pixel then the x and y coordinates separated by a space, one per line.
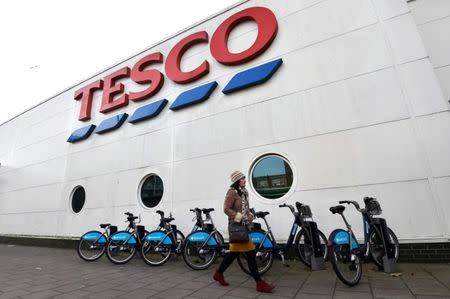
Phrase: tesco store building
pixel 315 101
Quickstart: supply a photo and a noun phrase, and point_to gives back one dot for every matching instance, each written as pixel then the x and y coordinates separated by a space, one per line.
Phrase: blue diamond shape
pixel 111 123
pixel 147 111
pixel 81 134
pixel 194 96
pixel 254 76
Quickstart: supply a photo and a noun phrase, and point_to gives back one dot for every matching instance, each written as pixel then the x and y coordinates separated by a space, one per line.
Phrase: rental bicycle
pixel 310 242
pixel 204 244
pixel 92 244
pixel 122 245
pixel 380 243
pixel 158 245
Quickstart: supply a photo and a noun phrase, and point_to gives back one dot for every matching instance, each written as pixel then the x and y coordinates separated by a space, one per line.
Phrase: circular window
pixel 272 176
pixel 78 198
pixel 152 190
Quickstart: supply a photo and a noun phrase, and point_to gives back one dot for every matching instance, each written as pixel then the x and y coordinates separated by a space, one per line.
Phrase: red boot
pixel 264 287
pixel 219 277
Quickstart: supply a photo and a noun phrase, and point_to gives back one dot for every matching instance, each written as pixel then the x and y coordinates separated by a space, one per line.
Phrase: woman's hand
pixel 238 217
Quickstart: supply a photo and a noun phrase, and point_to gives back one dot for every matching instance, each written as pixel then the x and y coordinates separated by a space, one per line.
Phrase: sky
pixel 50 45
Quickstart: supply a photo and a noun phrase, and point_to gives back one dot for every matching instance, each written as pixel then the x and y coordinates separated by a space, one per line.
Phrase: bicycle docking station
pixel 317 260
pixel 389 263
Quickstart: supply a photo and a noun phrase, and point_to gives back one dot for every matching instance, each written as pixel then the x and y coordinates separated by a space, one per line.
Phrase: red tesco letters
pixel 114 95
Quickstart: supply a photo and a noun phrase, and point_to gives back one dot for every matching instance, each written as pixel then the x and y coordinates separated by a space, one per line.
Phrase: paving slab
pixel 39 272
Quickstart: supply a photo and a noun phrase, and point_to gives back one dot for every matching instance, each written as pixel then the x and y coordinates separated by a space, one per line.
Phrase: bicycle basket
pixel 209 227
pixel 305 211
pixel 112 229
pixel 256 226
pixel 373 207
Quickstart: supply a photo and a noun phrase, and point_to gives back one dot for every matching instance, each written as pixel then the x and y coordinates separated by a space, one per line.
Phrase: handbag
pixel 238 233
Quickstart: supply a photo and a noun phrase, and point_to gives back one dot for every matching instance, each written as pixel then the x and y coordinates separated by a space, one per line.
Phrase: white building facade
pixel 356 104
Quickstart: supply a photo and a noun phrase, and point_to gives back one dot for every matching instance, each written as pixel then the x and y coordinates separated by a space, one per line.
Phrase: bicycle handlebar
pixel 287 206
pixel 355 203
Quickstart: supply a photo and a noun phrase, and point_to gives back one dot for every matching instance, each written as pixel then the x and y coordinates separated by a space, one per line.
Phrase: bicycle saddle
pixel 105 225
pixel 160 212
pixel 337 209
pixel 207 210
pixel 261 214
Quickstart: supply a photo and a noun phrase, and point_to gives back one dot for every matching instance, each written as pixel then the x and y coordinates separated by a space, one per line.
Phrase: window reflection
pixel 152 191
pixel 272 177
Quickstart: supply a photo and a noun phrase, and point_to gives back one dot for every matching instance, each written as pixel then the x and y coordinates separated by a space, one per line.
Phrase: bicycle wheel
pixel 91 246
pixel 377 250
pixel 304 248
pixel 121 250
pixel 264 260
pixel 156 253
pixel 197 255
pixel 346 264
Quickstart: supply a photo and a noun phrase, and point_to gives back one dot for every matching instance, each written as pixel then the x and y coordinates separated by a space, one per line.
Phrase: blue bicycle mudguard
pixel 341 237
pixel 157 236
pixel 201 236
pixel 123 236
pixel 257 237
pixel 94 236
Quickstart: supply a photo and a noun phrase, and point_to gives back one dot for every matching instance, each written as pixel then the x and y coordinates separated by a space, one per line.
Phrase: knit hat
pixel 236 176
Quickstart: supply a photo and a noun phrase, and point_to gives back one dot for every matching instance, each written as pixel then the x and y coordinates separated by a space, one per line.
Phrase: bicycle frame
pixel 201 225
pixel 380 227
pixel 310 231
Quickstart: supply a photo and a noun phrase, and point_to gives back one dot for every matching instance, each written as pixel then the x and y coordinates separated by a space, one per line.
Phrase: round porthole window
pixel 152 190
pixel 78 198
pixel 271 176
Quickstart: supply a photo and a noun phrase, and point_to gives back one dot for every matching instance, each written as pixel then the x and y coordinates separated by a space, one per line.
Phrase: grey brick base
pixel 409 252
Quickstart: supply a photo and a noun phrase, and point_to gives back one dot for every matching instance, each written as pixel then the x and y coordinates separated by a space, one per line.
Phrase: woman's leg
pixel 227 261
pixel 251 260
pixel 261 285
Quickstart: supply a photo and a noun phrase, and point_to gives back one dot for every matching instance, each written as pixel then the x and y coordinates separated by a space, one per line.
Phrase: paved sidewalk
pixel 36 272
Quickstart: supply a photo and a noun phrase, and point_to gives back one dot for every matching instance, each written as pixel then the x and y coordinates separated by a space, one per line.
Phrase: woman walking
pixel 236 206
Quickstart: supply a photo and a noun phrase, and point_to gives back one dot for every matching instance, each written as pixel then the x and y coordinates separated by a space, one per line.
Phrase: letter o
pixel 267 30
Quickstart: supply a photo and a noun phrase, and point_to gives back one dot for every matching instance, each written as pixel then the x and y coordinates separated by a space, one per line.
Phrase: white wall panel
pixel 387 9
pixel 405 39
pixel 47 128
pixel 41 151
pixel 382 153
pixel 30 224
pixel 443 191
pixel 328 19
pixel 157 147
pixel 49 172
pixel 422 88
pixel 7 135
pixel 435 134
pixel 443 75
pixel 428 10
pixel 38 199
pixel 112 157
pixel 437 41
